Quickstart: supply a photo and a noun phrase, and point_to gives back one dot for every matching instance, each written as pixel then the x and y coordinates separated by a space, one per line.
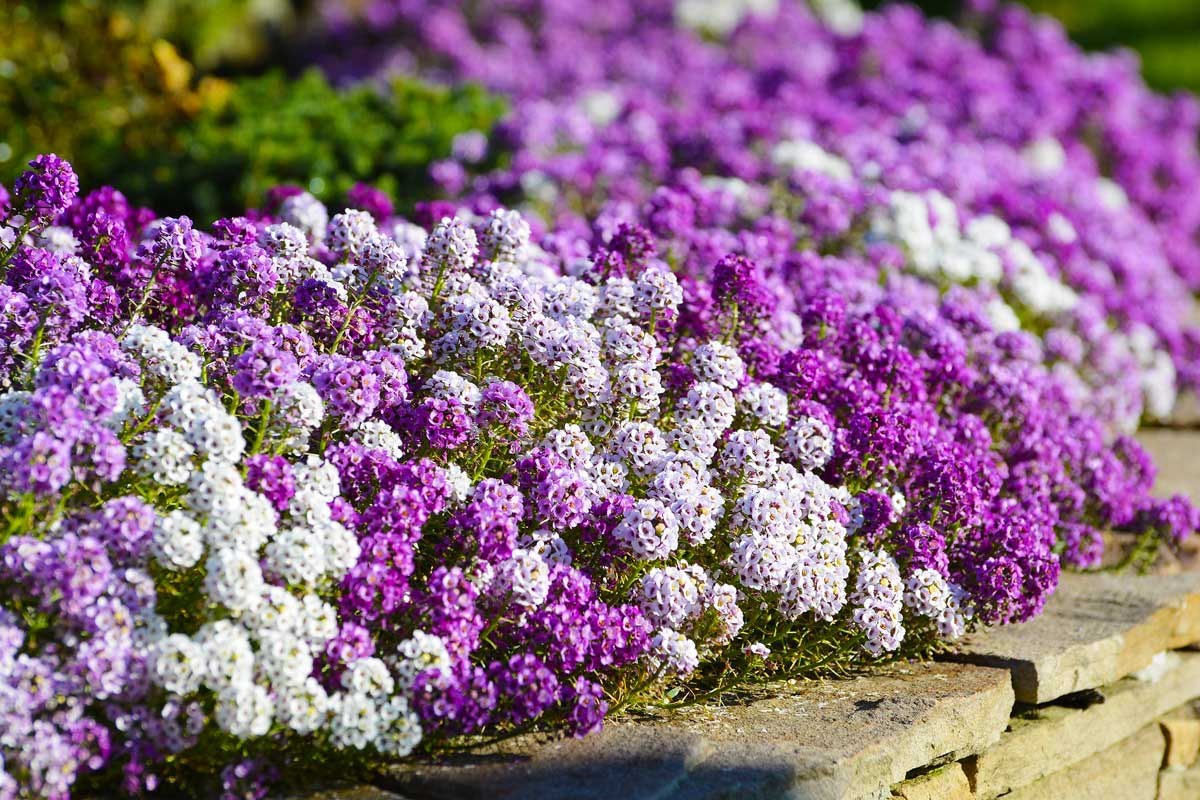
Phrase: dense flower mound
pixel 884 125
pixel 309 487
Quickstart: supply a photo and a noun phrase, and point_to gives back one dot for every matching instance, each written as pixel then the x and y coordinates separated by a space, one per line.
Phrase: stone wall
pixel 1097 698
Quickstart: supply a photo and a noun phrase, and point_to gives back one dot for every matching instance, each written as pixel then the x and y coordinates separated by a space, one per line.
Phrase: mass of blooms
pixel 997 154
pixel 360 485
pixel 778 377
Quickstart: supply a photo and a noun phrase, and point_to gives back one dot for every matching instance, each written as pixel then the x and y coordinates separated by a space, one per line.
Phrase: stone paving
pixel 1097 698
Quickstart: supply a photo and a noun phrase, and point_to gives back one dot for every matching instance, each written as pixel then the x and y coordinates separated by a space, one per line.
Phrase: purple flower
pixel 45 190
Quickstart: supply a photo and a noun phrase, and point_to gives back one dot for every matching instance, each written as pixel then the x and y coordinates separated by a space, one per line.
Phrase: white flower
pixel 649 530
pixel 228 655
pixel 400 730
pixel 165 456
pixel 421 652
pixel 806 156
pixel 505 235
pixel 808 442
pixel 162 358
pixel 766 405
pixel 233 579
pixel 302 707
pixel 349 232
pixel 523 578
pixel 751 455
pixel 670 596
pixel 12 404
pixel 297 554
pixel 672 652
pixel 320 623
pixel 306 213
pixel 285 660
pixel 879 595
pixel 719 363
pixel 244 710
pixel 278 611
pixel 760 561
pixel 179 664
pixel 368 676
pixel 375 434
pixel 178 543
pixel 452 246
pixel 354 720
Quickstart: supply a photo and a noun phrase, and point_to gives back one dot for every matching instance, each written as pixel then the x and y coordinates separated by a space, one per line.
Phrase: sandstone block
pixel 344 793
pixel 1179 784
pixel 1174 452
pixel 1126 771
pixel 944 783
pixel 1096 629
pixel 1186 413
pixel 1183 740
pixel 822 740
pixel 1048 739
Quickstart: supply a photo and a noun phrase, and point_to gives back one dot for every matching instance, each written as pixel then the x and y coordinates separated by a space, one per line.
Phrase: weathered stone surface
pixel 1096 629
pixel 1126 771
pixel 816 739
pixel 1175 454
pixel 626 760
pixel 1179 784
pixel 1048 739
pixel 1186 413
pixel 343 793
pixel 944 783
pixel 1183 738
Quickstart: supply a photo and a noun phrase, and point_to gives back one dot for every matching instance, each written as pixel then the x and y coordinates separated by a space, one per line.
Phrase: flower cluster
pixel 340 482
pixel 998 156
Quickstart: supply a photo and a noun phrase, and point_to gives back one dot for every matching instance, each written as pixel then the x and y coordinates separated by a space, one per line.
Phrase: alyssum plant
pixel 348 487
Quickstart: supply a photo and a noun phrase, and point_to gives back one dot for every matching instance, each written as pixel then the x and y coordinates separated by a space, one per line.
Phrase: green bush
pixel 275 129
pixel 94 82
pixel 84 80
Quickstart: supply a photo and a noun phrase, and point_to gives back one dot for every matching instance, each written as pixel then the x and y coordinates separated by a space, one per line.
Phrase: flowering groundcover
pixel 309 490
pixel 352 486
pixel 910 130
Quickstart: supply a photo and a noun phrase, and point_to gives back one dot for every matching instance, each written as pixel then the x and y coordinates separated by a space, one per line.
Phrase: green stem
pixel 354 307
pixel 145 298
pixel 25 228
pixel 145 423
pixel 438 284
pixel 483 460
pixel 264 420
pixel 35 350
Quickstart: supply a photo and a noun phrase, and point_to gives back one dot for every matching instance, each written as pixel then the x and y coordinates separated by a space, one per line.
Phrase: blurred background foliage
pixel 175 101
pixel 275 129
pixel 112 86
pixel 1164 33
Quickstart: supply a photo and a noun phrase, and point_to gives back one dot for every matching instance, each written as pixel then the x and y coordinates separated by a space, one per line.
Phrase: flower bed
pixel 308 491
pixel 906 130
pixel 347 486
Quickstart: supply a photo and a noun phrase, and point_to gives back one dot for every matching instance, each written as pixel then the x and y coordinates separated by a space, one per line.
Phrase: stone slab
pixel 1044 740
pixel 944 783
pixel 1126 771
pixel 1179 784
pixel 1176 454
pixel 1183 739
pixel 1096 629
pixel 625 760
pixel 1186 413
pixel 342 793
pixel 811 740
